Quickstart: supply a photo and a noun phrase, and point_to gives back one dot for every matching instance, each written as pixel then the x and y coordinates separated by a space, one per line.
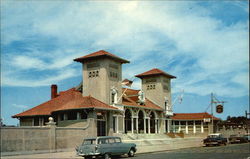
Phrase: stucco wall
pixel 73 123
pixel 228 132
pixel 51 138
pixel 24 139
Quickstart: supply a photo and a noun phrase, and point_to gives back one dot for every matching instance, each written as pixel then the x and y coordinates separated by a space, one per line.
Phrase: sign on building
pixel 219 108
pixel 206 120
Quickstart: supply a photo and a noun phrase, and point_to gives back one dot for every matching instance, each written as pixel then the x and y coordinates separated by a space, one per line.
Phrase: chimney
pixel 53 91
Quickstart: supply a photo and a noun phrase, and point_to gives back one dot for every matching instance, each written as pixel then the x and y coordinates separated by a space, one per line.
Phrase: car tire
pixel 131 152
pixel 106 156
pixel 88 157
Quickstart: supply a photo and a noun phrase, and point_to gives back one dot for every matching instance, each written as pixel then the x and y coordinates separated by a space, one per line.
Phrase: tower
pixel 102 76
pixel 156 85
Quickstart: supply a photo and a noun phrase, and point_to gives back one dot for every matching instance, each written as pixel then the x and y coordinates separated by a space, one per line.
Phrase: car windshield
pixel 213 136
pixel 89 141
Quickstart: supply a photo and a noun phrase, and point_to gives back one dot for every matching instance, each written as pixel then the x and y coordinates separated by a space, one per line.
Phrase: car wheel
pixel 106 156
pixel 88 157
pixel 131 153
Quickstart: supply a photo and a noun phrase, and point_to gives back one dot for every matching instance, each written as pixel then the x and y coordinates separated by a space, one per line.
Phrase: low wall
pixel 24 139
pixel 228 132
pixel 19 140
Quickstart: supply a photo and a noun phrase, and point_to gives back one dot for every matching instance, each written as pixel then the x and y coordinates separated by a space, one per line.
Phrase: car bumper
pixel 87 154
pixel 211 143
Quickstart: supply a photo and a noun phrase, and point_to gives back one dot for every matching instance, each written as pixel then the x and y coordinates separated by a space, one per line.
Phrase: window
pixel 102 141
pixel 84 115
pixel 36 121
pixel 114 123
pixel 72 115
pixel 113 96
pixel 113 74
pixel 93 73
pixel 118 140
pixel 89 142
pixel 150 86
pixel 111 140
pixel 165 87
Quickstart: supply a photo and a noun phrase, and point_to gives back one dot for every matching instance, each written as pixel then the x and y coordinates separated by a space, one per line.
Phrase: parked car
pixel 105 146
pixel 215 139
pixel 247 137
pixel 237 139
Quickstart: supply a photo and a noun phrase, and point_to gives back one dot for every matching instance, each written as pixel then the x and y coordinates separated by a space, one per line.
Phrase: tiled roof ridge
pixel 153 103
pixel 154 71
pixel 100 53
pixel 193 115
pixel 61 94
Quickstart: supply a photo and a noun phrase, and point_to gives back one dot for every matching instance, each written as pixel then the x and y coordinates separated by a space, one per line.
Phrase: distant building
pixel 102 98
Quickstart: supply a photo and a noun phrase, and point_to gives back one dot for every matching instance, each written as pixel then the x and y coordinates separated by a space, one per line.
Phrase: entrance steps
pixel 159 142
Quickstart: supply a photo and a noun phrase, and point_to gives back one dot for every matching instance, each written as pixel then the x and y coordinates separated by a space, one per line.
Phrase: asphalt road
pixel 232 151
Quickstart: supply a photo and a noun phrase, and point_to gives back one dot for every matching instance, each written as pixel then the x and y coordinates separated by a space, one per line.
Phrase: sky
pixel 205 44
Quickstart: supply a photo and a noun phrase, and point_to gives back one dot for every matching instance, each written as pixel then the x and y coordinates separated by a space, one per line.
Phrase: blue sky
pixel 204 43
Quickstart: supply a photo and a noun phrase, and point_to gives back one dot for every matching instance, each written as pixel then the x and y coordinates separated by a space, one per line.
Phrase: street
pixel 231 151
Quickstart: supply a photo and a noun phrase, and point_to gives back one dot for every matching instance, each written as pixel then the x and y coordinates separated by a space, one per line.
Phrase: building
pixel 102 99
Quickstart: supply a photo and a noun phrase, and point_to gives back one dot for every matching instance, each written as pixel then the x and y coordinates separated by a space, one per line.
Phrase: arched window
pixel 114 96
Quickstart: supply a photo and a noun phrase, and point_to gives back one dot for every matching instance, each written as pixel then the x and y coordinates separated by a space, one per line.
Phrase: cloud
pixel 20 106
pixel 45 80
pixel 182 38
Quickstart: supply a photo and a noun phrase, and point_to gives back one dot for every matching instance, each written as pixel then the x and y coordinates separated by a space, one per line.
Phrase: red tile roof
pixel 70 99
pixel 130 91
pixel 100 53
pixel 192 116
pixel 154 72
pixel 130 98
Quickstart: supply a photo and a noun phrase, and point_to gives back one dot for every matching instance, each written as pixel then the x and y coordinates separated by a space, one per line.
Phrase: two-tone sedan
pixel 215 139
pixel 105 147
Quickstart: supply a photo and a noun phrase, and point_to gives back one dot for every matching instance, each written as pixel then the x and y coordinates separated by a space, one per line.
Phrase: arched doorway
pixel 141 122
pixel 152 122
pixel 127 121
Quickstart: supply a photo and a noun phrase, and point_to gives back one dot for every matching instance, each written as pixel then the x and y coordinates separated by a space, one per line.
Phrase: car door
pixel 103 145
pixel 122 147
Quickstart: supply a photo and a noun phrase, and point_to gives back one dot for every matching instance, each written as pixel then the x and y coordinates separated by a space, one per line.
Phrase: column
pixel 144 124
pixel 179 126
pixel 156 129
pixel 132 125
pixel 148 125
pixel 194 128
pixel 58 117
pixel 168 126
pixel 164 126
pixel 42 121
pixel 117 124
pixel 65 116
pixel 136 124
pixel 202 128
pixel 78 116
pixel 52 134
pixel 186 127
pixel 123 124
pixel 173 126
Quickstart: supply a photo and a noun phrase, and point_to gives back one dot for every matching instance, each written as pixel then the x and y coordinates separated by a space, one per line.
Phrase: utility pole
pixel 212 101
